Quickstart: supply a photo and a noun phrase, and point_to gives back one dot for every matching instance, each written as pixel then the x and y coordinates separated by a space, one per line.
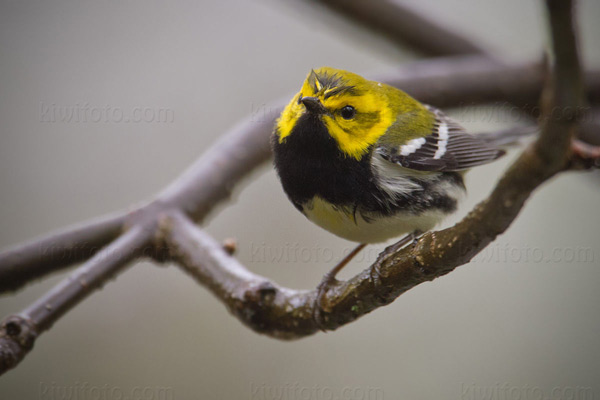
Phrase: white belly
pixel 374 229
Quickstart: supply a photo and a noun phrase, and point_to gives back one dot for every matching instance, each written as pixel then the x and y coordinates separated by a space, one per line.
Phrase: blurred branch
pixel 18 332
pixel 55 251
pixel 164 227
pixel 589 130
pixel 406 27
pixel 565 89
pixel 471 80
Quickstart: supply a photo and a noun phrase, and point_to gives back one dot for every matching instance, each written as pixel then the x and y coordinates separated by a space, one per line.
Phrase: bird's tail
pixel 509 137
pixel 588 155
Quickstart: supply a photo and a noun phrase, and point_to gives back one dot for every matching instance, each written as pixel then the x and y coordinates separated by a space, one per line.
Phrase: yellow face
pixel 356 111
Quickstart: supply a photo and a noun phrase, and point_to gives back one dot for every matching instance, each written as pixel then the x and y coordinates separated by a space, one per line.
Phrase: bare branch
pixel 285 313
pixel 568 79
pixel 58 250
pixel 406 26
pixel 589 130
pixel 211 179
pixel 565 89
pixel 468 80
pixel 18 332
pixel 256 301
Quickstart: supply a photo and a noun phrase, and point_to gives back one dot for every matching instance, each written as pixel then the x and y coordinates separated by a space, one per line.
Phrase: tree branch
pixel 211 179
pixel 565 89
pixel 405 26
pixel 259 303
pixel 470 80
pixel 18 332
pixel 57 250
pixel 286 313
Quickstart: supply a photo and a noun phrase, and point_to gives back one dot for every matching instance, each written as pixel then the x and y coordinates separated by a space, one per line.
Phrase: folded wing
pixel 448 148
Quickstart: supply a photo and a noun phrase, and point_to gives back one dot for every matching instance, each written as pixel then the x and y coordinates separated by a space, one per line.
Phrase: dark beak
pixel 313 105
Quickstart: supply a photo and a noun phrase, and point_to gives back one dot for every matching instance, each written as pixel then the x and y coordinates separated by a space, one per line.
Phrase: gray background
pixel 508 320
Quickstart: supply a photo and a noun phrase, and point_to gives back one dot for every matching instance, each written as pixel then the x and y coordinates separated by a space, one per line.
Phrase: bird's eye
pixel 348 112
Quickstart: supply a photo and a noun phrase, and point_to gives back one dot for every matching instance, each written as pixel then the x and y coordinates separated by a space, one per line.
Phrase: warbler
pixel 367 162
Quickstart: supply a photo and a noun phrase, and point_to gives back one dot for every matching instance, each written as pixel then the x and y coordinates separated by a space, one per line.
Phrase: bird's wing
pixel 447 148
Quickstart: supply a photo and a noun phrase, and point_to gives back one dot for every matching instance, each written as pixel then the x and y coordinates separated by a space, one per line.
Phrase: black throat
pixel 310 163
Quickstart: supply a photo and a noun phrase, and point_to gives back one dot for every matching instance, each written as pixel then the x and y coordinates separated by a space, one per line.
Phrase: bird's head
pixel 356 112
